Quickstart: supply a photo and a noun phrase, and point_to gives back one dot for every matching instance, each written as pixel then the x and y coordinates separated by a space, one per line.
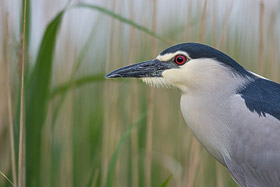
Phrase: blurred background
pixel 82 130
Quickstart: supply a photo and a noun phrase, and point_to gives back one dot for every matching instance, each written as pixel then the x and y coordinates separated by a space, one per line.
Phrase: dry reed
pixel 21 130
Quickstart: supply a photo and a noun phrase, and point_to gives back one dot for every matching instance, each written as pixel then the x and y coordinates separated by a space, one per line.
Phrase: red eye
pixel 180 59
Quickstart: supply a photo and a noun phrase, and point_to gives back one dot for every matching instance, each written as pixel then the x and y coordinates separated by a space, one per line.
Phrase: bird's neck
pixel 207 113
pixel 208 123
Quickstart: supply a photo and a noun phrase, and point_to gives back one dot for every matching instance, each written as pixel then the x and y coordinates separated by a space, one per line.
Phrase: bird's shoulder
pixel 262 96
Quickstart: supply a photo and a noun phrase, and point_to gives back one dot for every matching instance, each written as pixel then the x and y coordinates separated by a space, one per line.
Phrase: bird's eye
pixel 180 59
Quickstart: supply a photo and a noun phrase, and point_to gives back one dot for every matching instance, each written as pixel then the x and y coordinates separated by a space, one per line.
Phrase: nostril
pixel 144 65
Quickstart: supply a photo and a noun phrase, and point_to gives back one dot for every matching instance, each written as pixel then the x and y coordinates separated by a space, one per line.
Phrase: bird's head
pixel 187 66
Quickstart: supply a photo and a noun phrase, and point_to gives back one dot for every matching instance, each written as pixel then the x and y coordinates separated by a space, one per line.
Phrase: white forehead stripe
pixel 168 56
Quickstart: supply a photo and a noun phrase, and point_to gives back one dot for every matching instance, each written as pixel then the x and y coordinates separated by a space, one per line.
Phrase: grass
pixel 81 130
pixel 114 158
pixel 165 183
pixel 5 177
pixel 22 111
pixel 37 101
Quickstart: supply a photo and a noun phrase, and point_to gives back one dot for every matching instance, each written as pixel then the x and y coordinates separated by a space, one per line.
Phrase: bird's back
pixel 255 139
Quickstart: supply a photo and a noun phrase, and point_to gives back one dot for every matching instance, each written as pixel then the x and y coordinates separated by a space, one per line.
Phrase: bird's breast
pixel 207 119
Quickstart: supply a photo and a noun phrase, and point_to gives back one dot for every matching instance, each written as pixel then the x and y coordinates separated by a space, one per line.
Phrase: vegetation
pixel 79 129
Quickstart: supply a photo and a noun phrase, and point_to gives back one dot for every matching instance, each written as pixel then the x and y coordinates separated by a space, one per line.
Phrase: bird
pixel 234 113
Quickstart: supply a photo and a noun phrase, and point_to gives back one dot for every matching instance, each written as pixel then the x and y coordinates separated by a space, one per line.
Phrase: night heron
pixel 233 112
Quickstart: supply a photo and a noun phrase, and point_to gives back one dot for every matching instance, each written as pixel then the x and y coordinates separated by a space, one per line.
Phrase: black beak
pixel 153 68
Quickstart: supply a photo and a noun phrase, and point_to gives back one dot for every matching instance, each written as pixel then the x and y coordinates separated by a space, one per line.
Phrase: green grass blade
pixel 75 84
pixel 27 22
pixel 166 181
pixel 36 101
pixel 114 158
pixel 122 19
pixel 5 177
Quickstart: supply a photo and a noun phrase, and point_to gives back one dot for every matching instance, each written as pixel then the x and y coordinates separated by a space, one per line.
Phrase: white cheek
pixel 172 75
pixel 176 77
